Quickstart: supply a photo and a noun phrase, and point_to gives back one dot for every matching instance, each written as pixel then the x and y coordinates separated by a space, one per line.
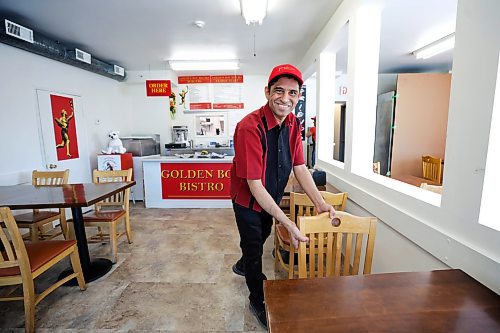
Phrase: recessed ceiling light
pixel 193 65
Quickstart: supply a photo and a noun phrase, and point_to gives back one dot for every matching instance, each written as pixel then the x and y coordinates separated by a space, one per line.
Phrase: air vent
pixel 119 70
pixel 18 31
pixel 83 56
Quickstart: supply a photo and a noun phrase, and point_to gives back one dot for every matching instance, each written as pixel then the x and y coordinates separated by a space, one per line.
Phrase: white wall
pixel 152 114
pixel 21 74
pixel 435 234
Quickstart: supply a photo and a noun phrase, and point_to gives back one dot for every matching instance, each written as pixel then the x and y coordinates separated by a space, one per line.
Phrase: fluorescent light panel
pixel 253 11
pixel 441 45
pixel 201 65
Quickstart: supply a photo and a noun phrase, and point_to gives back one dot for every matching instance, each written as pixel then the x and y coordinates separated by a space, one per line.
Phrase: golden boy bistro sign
pixel 195 180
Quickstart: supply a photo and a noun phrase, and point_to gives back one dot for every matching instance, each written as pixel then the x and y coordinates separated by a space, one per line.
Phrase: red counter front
pixel 171 182
pixel 195 180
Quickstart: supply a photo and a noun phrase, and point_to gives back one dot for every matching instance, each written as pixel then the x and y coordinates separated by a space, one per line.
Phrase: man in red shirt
pixel 267 146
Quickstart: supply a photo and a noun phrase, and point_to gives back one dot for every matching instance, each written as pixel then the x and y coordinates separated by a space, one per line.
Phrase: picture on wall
pixel 63 114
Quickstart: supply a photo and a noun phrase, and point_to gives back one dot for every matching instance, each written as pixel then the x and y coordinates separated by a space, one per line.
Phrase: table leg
pixel 92 270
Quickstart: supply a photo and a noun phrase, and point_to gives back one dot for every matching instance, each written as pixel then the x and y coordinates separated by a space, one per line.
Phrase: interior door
pixel 63 134
pixel 383 132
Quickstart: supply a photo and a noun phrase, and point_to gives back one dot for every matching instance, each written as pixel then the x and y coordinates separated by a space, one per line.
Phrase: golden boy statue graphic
pixel 63 123
pixel 183 94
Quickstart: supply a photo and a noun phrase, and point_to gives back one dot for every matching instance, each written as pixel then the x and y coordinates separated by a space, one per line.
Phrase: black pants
pixel 254 228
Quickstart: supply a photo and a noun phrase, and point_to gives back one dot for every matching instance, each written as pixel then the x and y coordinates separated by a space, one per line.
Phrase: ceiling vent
pixel 16 35
pixel 83 56
pixel 119 70
pixel 18 31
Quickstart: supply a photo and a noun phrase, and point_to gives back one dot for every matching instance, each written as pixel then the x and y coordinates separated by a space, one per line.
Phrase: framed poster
pixel 300 111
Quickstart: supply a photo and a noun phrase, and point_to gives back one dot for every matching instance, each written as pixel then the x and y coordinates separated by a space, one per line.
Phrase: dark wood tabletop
pixel 63 196
pixel 74 196
pixel 427 302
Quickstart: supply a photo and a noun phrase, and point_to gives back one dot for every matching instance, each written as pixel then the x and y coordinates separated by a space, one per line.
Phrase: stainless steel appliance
pixel 180 135
pixel 142 145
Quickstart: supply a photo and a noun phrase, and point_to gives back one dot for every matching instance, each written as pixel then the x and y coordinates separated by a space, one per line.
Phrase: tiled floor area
pixel 175 277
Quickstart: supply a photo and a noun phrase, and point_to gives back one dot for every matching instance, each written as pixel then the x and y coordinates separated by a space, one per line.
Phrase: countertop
pixel 175 159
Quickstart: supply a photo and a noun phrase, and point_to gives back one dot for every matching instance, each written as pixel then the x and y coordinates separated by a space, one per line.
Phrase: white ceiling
pixel 143 35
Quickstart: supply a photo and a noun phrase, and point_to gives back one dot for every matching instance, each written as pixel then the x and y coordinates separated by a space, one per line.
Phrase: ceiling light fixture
pixel 203 65
pixel 441 45
pixel 253 11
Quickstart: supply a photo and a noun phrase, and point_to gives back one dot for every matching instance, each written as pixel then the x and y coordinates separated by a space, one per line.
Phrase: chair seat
pixel 35 217
pixel 40 253
pixel 283 234
pixel 103 216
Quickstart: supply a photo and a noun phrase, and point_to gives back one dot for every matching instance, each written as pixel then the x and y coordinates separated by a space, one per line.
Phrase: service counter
pixel 172 182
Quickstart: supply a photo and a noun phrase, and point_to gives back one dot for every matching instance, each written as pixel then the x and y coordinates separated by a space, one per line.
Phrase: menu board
pixel 211 92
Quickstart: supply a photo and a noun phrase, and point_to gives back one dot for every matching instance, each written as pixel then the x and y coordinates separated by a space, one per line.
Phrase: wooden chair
pixel 334 251
pixel 432 168
pixel 300 205
pixel 110 212
pixel 21 263
pixel 36 220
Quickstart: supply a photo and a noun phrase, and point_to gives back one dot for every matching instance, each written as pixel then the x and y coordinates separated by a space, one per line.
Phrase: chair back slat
pixel 338 249
pixel 120 199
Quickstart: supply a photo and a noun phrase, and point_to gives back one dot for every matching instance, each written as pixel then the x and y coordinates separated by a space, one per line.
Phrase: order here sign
pixel 195 180
pixel 158 88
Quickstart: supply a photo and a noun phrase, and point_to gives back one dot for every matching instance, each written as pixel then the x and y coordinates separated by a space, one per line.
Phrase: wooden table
pixel 74 196
pixel 427 302
pixel 414 180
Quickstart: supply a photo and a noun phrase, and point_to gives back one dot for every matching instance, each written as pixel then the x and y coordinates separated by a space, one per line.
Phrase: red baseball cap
pixel 286 69
pixel 313 118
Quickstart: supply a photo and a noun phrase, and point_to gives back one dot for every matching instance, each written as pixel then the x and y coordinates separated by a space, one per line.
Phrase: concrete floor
pixel 175 277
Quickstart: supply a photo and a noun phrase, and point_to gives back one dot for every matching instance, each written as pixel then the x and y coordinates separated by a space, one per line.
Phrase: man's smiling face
pixel 283 96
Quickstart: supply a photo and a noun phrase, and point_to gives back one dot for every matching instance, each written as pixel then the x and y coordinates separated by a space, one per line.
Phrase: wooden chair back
pixel 432 168
pixel 120 199
pixel 336 250
pixel 14 251
pixel 301 205
pixel 49 178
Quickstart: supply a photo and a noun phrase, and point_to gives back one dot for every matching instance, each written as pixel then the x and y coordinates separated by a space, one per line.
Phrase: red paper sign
pixel 195 180
pixel 227 106
pixel 63 115
pixel 200 106
pixel 158 88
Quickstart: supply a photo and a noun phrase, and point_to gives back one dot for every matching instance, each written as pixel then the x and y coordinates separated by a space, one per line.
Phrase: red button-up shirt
pixel 251 152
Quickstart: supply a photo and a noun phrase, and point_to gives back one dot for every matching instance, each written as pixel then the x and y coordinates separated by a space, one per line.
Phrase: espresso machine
pixel 179 137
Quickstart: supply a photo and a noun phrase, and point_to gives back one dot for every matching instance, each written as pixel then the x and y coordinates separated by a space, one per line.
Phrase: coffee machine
pixel 180 136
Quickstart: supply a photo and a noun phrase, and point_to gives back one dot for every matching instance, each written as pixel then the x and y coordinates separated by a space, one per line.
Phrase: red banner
pixel 195 180
pixel 193 79
pixel 226 78
pixel 210 79
pixel 63 115
pixel 158 88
